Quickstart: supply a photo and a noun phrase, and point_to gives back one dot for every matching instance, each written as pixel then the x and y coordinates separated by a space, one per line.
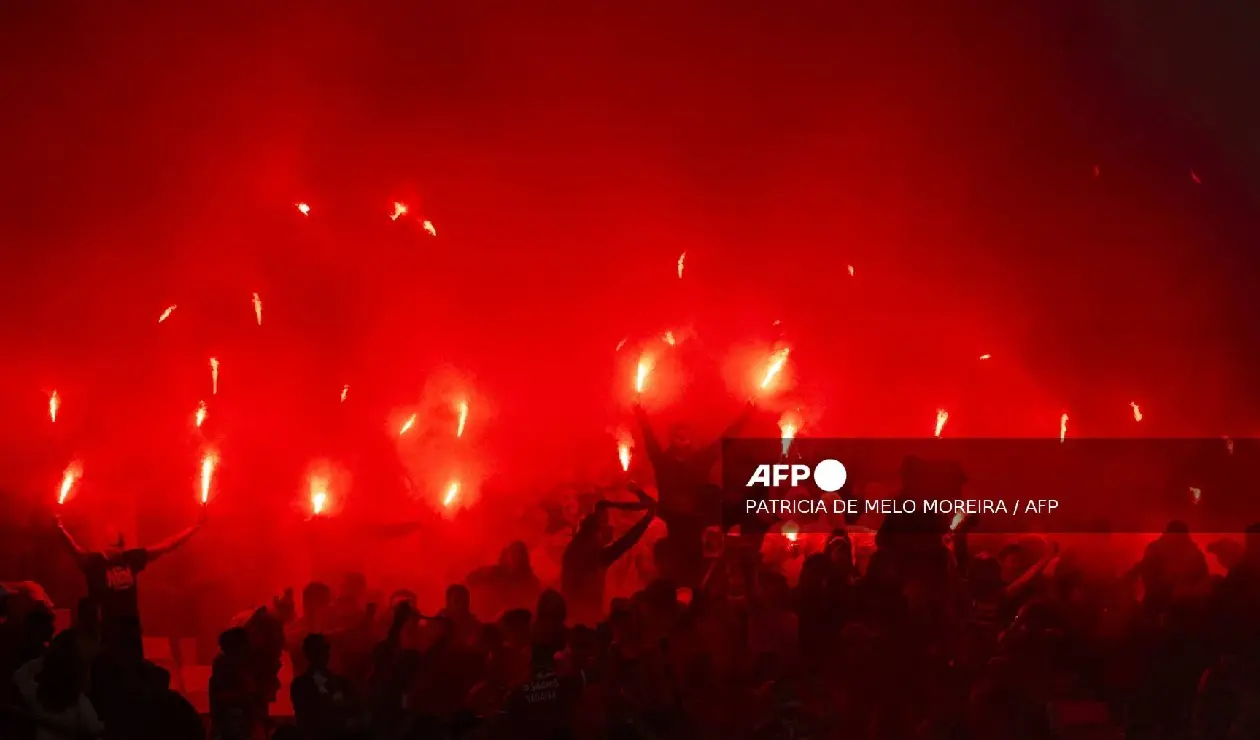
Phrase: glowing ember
pixel 344 390
pixel 669 338
pixel 463 418
pixel 641 375
pixel 1063 420
pixel 201 413
pixel 399 209
pixel 791 530
pixel 850 270
pixel 428 226
pixel 73 472
pixel 304 209
pixel 789 424
pixel 407 425
pixel 54 403
pixel 258 309
pixel 208 463
pixel 1137 412
pixel 1196 494
pixel 214 377
pixel 958 520
pixel 167 313
pixel 778 360
pixel 682 259
pixel 986 356
pixel 942 416
pixel 452 493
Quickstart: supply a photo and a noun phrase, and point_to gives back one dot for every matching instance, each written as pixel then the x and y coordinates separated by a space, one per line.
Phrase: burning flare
pixel 73 472
pixel 428 226
pixel 54 403
pixel 942 416
pixel 625 443
pixel 407 425
pixel 319 494
pixel 167 313
pixel 258 309
pixel 208 462
pixel 452 493
pixel 463 418
pixel 669 338
pixel 641 375
pixel 201 413
pixel 1063 420
pixel 1196 494
pixel 304 209
pixel 850 270
pixel 214 377
pixel 777 361
pixel 399 209
pixel 789 425
pixel 986 356
pixel 1137 412
pixel 959 516
pixel 344 390
pixel 682 259
pixel 791 530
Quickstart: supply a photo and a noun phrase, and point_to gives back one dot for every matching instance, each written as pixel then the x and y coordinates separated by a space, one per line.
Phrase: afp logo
pixel 829 475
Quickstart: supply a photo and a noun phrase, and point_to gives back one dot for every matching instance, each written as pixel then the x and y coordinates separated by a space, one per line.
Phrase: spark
pixel 641 375
pixel 682 260
pixel 776 364
pixel 463 418
pixel 942 416
pixel 208 463
pixel 399 209
pixel 73 472
pixel 167 313
pixel 407 425
pixel 1137 411
pixel 201 413
pixel 304 209
pixel 214 377
pixel 1196 494
pixel 669 338
pixel 1063 420
pixel 452 493
pixel 789 424
pixel 986 356
pixel 850 270
pixel 621 344
pixel 258 309
pixel 428 226
pixel 344 390
pixel 54 403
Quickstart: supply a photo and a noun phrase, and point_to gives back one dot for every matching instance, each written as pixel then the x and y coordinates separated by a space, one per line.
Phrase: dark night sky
pixel 568 152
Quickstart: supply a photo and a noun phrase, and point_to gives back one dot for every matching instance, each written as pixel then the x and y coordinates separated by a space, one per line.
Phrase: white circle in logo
pixel 830 475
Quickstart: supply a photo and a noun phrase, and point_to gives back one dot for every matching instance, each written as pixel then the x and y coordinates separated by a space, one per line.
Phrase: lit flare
pixel 304 209
pixel 942 416
pixel 200 416
pixel 54 403
pixel 682 260
pixel 777 361
pixel 428 226
pixel 214 377
pixel 319 494
pixel 258 309
pixel 452 494
pixel 73 472
pixel 167 313
pixel 463 418
pixel 407 425
pixel 1137 412
pixel 1063 420
pixel 789 425
pixel 641 374
pixel 344 390
pixel 625 444
pixel 399 210
pixel 208 463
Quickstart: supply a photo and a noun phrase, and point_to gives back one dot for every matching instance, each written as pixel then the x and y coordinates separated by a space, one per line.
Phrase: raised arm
pixel 650 442
pixel 68 540
pixel 1019 584
pixel 172 543
pixel 713 451
pixel 613 552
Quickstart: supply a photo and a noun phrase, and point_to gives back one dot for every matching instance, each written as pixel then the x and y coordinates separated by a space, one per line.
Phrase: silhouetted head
pixel 515 558
pixel 680 440
pixel 234 643
pixel 596 525
pixel 315 597
pixel 1176 527
pixel 316 650
pixel 552 607
pixel 458 599
pixel 115 539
